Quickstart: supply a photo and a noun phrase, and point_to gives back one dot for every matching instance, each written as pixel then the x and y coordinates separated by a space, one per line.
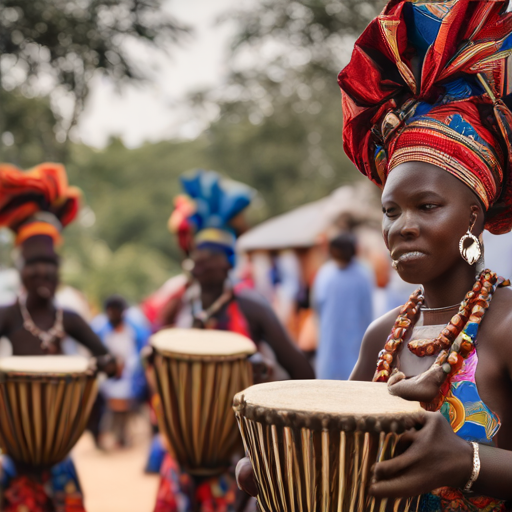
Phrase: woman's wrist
pixel 476 468
pixel 465 465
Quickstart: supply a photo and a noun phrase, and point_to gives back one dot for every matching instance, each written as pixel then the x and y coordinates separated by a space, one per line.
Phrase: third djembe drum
pixel 45 403
pixel 197 374
pixel 312 443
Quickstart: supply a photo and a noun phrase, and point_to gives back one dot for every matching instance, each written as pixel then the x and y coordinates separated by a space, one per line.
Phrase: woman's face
pixel 40 277
pixel 211 268
pixel 426 212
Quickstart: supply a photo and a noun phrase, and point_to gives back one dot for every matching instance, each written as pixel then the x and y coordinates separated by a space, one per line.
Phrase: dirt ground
pixel 114 481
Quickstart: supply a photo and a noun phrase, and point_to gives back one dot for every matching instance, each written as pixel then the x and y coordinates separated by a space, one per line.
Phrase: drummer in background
pixel 36 205
pixel 424 119
pixel 207 222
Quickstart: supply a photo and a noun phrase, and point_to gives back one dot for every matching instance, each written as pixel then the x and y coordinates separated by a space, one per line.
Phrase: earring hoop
pixel 471 254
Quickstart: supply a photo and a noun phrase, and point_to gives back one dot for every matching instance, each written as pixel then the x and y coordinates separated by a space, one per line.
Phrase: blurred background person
pixel 36 205
pixel 124 338
pixel 342 300
pixel 206 224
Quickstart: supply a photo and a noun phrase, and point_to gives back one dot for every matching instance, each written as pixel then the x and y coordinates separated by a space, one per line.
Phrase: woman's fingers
pixel 403 486
pixel 391 468
pixel 245 477
pixel 395 377
pixel 405 441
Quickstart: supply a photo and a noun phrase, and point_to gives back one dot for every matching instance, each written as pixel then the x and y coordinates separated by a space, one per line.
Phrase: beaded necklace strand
pixel 455 342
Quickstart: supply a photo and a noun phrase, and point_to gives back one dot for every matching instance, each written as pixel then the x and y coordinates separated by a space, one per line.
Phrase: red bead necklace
pixel 456 340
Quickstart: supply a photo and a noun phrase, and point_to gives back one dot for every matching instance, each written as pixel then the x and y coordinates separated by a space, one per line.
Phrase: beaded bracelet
pixel 476 468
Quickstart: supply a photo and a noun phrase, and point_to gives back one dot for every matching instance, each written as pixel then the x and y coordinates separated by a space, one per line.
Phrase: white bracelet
pixel 476 468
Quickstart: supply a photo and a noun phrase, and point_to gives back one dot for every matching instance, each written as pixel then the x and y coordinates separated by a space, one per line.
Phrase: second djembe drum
pixel 312 443
pixel 45 403
pixel 197 373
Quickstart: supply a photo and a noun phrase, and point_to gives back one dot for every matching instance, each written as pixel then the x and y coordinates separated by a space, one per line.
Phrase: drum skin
pixel 308 460
pixel 42 416
pixel 195 408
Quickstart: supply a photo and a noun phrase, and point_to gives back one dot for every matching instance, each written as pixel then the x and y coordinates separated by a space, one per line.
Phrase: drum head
pixel 199 342
pixel 348 405
pixel 41 365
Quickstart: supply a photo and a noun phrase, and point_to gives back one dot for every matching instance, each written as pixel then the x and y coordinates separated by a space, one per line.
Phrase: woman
pixel 36 205
pixel 206 225
pixel 423 119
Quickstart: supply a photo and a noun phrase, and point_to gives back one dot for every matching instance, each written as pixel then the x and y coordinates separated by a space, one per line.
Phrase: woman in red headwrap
pixel 425 119
pixel 36 205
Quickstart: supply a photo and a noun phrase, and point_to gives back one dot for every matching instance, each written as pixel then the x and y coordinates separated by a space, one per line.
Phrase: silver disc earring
pixel 470 252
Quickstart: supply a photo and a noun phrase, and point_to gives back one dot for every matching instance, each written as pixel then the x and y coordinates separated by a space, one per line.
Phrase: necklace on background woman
pixel 48 337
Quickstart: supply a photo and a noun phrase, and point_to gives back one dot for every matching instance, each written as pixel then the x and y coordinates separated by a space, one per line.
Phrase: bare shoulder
pixel 380 328
pixel 253 304
pixel 72 320
pixel 252 297
pixel 70 315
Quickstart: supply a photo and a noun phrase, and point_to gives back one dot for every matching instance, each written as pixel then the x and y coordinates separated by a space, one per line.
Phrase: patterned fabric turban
pixel 427 83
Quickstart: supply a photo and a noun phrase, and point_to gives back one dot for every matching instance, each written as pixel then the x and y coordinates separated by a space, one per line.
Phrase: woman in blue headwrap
pixel 206 222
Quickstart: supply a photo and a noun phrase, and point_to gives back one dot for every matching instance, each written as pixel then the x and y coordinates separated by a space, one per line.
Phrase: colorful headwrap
pixel 453 115
pixel 204 216
pixel 36 202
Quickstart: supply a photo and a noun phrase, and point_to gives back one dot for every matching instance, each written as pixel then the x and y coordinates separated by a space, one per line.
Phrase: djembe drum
pixel 197 373
pixel 45 403
pixel 312 443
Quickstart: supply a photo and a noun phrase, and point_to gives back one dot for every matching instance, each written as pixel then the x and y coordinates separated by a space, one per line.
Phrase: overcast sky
pixel 153 111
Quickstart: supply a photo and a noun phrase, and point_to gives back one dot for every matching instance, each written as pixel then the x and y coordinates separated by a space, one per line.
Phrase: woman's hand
pixel 245 477
pixel 422 388
pixel 107 364
pixel 427 459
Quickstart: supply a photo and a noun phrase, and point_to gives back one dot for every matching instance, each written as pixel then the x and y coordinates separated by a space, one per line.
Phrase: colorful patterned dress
pixel 469 417
pixel 178 491
pixel 58 491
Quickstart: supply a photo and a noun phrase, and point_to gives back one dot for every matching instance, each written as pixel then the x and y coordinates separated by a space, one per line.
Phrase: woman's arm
pixel 76 327
pixel 373 342
pixel 287 353
pixel 434 457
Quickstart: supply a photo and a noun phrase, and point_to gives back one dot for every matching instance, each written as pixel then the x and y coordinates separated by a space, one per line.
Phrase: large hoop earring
pixel 470 252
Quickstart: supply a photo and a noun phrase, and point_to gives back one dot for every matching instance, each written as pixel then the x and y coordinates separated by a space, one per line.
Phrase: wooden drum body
pixel 312 443
pixel 197 373
pixel 45 402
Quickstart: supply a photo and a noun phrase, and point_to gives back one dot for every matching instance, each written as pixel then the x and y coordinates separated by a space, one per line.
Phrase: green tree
pixel 30 124
pixel 303 33
pixel 70 40
pixel 279 125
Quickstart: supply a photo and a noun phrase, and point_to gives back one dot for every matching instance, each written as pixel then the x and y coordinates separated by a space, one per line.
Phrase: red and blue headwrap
pixel 203 218
pixel 451 113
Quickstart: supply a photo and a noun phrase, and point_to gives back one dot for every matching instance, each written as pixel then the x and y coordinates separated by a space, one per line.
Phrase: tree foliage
pixel 278 130
pixel 69 40
pixel 29 125
pixel 301 34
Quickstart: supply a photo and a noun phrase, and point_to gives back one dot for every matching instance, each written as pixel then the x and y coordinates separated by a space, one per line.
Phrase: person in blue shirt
pixel 342 300
pixel 126 336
